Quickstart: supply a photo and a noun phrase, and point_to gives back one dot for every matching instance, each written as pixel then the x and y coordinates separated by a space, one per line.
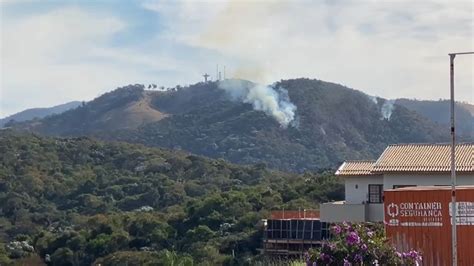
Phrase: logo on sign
pixel 415 214
pixel 392 210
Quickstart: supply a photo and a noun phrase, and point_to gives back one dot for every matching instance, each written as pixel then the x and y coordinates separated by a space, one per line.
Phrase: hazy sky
pixel 57 51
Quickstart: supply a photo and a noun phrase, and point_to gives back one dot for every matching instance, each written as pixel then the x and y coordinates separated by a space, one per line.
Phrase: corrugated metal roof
pixel 425 158
pixel 413 158
pixel 351 168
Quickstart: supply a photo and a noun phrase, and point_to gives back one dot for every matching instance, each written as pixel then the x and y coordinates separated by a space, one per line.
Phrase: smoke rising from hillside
pixel 387 109
pixel 272 101
pixel 373 99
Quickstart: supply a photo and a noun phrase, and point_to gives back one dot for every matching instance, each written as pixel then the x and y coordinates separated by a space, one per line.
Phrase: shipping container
pixel 419 218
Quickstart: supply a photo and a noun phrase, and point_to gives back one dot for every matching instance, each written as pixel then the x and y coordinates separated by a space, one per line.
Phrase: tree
pixel 62 257
pixel 4 259
pixel 201 233
pixel 171 258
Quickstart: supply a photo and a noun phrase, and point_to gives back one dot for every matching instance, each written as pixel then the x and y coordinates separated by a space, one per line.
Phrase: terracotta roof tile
pixel 413 158
pixel 349 168
pixel 425 158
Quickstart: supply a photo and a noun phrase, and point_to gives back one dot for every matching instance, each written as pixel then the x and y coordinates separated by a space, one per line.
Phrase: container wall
pixel 421 220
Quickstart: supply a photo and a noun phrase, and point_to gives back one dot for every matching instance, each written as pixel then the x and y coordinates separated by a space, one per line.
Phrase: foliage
pixel 4 255
pixel 139 258
pixel 357 244
pixel 437 111
pixel 333 123
pixel 77 201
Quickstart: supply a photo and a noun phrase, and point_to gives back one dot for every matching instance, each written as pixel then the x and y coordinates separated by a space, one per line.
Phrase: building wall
pixel 356 191
pixel 374 212
pixel 335 212
pixel 425 179
pixel 357 188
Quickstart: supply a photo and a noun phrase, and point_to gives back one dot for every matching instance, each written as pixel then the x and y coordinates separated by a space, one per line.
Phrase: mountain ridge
pixel 439 112
pixel 332 123
pixel 40 112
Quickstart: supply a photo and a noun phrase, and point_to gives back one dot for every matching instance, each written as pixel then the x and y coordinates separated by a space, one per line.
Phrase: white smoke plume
pixel 272 101
pixel 373 99
pixel 387 109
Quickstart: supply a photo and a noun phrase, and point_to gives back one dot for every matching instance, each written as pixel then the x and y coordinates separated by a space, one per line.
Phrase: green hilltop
pixel 333 123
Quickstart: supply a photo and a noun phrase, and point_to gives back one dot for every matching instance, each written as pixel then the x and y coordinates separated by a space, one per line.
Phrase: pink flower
pixel 353 238
pixel 337 229
pixel 370 233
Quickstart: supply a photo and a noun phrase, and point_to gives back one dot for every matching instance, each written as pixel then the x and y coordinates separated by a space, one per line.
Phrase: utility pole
pixel 454 244
pixel 454 235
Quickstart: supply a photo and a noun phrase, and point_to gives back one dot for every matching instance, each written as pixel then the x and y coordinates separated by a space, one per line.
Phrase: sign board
pixel 464 212
pixel 420 219
pixel 415 214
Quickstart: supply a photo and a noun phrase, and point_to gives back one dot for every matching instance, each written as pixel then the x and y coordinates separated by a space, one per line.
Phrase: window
pixel 375 193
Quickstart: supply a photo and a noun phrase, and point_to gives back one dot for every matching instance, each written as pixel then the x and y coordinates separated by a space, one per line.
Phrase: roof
pixel 350 168
pixel 425 158
pixel 413 158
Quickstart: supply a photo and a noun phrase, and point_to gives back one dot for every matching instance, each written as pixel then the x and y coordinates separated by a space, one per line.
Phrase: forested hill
pixel 76 201
pixel 33 113
pixel 332 123
pixel 439 112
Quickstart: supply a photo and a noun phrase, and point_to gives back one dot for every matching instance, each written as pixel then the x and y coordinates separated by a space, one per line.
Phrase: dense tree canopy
pixel 78 200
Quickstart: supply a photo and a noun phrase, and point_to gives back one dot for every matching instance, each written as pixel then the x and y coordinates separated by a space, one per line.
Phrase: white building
pixel 399 165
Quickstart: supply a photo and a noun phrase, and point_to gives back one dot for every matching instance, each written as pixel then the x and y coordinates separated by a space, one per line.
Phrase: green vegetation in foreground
pixel 80 201
pixel 360 244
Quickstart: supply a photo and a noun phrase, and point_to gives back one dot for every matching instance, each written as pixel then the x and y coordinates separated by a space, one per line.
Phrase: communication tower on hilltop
pixel 219 74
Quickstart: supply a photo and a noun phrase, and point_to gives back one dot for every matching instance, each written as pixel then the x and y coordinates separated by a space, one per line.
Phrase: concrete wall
pixel 335 212
pixel 357 188
pixel 375 212
pixel 425 179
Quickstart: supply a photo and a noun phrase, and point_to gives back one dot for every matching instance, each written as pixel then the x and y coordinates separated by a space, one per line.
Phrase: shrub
pixel 360 244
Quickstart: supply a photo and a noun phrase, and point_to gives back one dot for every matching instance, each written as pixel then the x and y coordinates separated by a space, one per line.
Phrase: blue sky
pixel 58 51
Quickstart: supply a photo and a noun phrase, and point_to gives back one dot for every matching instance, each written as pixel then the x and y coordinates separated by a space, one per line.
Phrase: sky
pixel 53 52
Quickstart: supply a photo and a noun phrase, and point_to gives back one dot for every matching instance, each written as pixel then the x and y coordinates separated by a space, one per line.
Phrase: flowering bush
pixel 357 244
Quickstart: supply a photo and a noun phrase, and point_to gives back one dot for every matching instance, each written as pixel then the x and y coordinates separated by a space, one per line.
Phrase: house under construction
pixel 292 233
